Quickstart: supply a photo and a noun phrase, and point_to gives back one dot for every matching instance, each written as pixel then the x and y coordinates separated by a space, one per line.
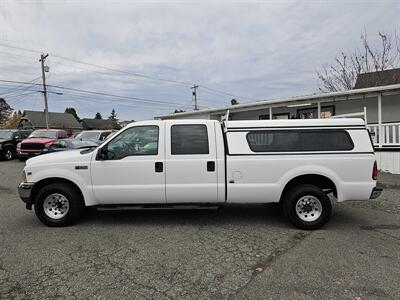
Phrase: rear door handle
pixel 159 167
pixel 211 166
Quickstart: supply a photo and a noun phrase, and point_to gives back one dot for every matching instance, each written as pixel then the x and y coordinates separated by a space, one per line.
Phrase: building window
pixel 189 139
pixel 274 116
pixel 299 140
pixel 312 112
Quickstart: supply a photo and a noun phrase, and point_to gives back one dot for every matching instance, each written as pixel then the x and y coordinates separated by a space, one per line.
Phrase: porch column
pixel 381 134
pixel 270 113
pixel 319 110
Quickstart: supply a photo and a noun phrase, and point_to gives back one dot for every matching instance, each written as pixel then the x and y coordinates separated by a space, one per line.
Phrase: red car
pixel 38 140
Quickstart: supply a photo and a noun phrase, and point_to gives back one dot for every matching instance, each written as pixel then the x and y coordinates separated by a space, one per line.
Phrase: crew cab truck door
pixel 130 170
pixel 191 162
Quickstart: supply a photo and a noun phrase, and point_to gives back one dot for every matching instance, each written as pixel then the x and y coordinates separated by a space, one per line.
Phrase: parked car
pixel 175 163
pixel 37 140
pixel 97 136
pixel 67 144
pixel 9 138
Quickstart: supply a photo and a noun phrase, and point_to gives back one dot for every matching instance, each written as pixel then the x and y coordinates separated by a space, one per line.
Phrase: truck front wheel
pixel 58 204
pixel 307 207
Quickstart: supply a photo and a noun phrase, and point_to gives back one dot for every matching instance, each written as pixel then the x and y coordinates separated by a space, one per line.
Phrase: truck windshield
pixel 44 134
pixel 5 134
pixel 88 136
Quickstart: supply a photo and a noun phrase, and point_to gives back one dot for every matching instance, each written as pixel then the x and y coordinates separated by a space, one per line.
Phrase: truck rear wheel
pixel 58 204
pixel 307 207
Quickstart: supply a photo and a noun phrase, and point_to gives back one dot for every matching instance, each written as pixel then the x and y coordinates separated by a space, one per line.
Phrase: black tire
pixel 70 193
pixel 311 202
pixel 8 153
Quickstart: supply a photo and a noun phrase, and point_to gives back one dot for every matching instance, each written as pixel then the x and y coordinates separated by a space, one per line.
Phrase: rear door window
pixel 189 139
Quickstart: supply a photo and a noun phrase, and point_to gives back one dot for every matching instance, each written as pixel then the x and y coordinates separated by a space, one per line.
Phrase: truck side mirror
pixel 17 137
pixel 102 153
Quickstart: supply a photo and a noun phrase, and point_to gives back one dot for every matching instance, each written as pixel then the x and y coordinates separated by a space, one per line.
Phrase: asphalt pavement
pixel 237 252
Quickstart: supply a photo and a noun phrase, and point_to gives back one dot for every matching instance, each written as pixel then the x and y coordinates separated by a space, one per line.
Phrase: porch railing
pixel 390 135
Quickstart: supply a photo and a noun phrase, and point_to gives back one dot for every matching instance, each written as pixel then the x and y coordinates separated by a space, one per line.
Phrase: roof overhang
pixel 324 97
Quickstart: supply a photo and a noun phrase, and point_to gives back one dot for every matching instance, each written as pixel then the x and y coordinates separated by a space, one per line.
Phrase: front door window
pixel 140 140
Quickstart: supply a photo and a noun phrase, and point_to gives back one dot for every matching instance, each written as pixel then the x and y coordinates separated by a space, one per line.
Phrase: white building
pixel 378 105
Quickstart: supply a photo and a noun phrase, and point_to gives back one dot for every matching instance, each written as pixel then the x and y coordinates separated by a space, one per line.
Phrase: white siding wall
pixel 390 109
pixel 388 161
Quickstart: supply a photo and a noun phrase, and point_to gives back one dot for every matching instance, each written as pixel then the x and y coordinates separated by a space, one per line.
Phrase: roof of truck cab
pixel 173 121
pixel 297 123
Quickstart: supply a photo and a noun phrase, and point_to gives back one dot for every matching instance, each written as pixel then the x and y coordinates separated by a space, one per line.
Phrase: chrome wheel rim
pixel 56 206
pixel 8 154
pixel 308 208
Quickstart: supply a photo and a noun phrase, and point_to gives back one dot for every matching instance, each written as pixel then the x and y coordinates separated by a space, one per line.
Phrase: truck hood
pixel 37 141
pixel 62 157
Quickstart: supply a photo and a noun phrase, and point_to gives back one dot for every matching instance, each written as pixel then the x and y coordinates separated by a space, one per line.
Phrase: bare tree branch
pixel 343 74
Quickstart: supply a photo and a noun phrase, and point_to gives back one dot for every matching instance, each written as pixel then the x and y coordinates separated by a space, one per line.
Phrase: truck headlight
pixel 23 177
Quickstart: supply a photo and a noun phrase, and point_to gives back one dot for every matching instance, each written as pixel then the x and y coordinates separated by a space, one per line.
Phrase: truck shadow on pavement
pixel 265 214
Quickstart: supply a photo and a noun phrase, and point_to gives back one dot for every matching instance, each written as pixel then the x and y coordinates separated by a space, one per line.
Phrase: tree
pixel 14 120
pixel 5 111
pixel 72 111
pixel 98 116
pixel 343 74
pixel 113 115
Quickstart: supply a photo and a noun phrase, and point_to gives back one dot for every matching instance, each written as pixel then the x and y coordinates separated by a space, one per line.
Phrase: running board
pixel 157 207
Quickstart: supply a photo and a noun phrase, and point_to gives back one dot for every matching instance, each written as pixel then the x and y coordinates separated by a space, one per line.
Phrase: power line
pixel 224 93
pixel 20 95
pixel 183 83
pixel 97 93
pixel 21 87
pixel 187 84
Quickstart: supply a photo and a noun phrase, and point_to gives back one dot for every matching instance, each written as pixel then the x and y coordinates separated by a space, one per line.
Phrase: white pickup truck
pixel 176 163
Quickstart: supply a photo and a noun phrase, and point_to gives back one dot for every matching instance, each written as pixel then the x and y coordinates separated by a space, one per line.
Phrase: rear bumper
pixel 25 193
pixel 376 192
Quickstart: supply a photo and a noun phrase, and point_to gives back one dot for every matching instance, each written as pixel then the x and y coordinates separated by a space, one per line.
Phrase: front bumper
pixel 25 193
pixel 28 154
pixel 376 192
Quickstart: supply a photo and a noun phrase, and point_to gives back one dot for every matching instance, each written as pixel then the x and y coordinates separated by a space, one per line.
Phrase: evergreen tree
pixel 113 115
pixel 72 111
pixel 98 116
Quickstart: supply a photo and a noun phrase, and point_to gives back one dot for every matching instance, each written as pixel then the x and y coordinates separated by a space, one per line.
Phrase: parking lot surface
pixel 237 252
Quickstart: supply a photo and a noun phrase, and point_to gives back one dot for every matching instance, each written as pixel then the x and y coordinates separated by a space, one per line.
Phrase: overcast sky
pixel 252 50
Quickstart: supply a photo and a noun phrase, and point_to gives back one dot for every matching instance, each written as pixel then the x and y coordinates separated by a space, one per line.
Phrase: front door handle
pixel 159 167
pixel 211 166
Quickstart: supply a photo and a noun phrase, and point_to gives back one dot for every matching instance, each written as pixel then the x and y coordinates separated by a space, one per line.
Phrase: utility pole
pixel 46 108
pixel 194 93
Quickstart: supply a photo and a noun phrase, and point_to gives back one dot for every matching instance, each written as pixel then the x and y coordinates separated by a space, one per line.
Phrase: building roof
pixel 56 120
pixel 336 96
pixel 379 78
pixel 295 123
pixel 99 124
